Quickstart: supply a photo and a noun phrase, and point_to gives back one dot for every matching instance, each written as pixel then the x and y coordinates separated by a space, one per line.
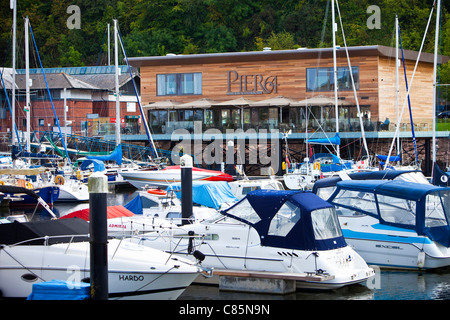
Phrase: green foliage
pixel 159 27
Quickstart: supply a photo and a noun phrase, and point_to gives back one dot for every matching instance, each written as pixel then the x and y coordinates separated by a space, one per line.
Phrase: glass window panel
pixel 197 83
pixel 434 211
pixel 161 84
pixel 187 83
pixel 355 201
pixel 396 210
pixel 245 211
pixel 285 219
pixel 171 84
pixel 325 224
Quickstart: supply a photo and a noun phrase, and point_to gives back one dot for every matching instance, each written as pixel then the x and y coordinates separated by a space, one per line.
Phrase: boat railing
pixel 46 239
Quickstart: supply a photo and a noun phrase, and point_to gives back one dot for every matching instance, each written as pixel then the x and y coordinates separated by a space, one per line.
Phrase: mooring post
pixel 186 188
pixel 98 191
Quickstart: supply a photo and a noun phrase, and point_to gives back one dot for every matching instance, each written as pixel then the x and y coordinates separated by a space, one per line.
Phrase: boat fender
pixel 59 179
pixel 198 255
pixel 421 259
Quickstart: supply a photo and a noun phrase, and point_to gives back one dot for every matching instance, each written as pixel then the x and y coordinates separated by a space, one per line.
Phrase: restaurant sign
pixel 250 84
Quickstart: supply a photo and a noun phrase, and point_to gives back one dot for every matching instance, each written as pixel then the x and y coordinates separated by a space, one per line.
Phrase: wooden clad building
pixel 295 74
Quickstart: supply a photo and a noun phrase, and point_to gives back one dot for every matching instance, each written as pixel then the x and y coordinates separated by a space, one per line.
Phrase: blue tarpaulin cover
pixel 391 158
pixel 211 194
pixel 116 155
pixel 98 165
pixel 333 140
pixel 135 205
pixel 60 290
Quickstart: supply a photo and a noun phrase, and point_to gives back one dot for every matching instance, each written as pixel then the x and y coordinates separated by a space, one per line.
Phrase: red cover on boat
pixel 111 212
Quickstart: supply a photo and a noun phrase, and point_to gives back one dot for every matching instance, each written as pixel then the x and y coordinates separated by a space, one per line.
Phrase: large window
pixel 322 79
pixel 177 84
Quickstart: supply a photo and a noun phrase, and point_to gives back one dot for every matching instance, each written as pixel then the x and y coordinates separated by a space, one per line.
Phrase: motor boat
pixel 34 252
pixel 270 230
pixel 394 223
pixel 171 174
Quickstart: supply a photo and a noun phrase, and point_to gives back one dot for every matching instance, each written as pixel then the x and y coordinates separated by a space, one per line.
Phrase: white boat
pixel 271 230
pixel 71 190
pixel 171 174
pixel 394 223
pixel 59 250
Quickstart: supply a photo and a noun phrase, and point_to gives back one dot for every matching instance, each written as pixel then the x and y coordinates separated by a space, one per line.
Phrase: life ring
pixel 2 183
pixel 316 166
pixel 29 185
pixel 59 179
pixel 157 192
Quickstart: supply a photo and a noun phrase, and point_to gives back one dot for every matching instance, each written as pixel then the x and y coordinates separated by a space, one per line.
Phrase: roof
pixel 54 81
pixel 302 53
pixel 395 188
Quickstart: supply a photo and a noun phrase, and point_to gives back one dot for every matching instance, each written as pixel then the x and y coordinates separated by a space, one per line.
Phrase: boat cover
pixel 336 165
pixel 11 233
pixel 391 158
pixel 116 156
pixel 98 165
pixel 60 290
pixel 111 212
pixel 302 236
pixel 366 175
pixel 440 177
pixel 416 192
pixel 334 140
pixel 207 193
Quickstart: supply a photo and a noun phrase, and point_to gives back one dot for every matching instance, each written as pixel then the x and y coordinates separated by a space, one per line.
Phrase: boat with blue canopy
pixel 394 223
pixel 282 231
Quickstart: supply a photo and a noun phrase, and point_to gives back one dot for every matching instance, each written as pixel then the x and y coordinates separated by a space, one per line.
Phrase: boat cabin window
pixel 325 192
pixel 355 200
pixel 325 224
pixel 396 210
pixel 284 220
pixel 246 190
pixel 245 211
pixel 437 209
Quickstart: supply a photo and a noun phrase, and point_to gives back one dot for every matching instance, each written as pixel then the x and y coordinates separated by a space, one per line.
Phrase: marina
pixel 258 175
pixel 386 285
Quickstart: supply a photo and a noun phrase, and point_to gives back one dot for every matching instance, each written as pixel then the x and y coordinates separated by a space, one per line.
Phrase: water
pixel 387 285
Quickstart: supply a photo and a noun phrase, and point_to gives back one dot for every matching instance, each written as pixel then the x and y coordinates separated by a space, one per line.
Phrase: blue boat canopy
pixel 290 219
pixel 98 165
pixel 424 208
pixel 116 156
pixel 325 141
pixel 391 158
pixel 211 194
pixel 365 175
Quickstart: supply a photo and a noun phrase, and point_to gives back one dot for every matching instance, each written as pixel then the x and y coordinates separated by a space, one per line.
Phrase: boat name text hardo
pixel 250 84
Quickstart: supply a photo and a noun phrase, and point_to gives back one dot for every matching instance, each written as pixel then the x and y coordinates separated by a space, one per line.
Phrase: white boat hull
pixel 134 272
pixel 393 248
pixel 229 251
pixel 163 178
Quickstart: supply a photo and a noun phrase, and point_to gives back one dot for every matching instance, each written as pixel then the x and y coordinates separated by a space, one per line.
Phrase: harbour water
pixel 386 285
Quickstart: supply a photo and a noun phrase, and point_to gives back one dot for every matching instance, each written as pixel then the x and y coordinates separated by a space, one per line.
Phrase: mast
pixel 116 63
pixel 436 52
pixel 13 5
pixel 397 77
pixel 334 29
pixel 27 84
